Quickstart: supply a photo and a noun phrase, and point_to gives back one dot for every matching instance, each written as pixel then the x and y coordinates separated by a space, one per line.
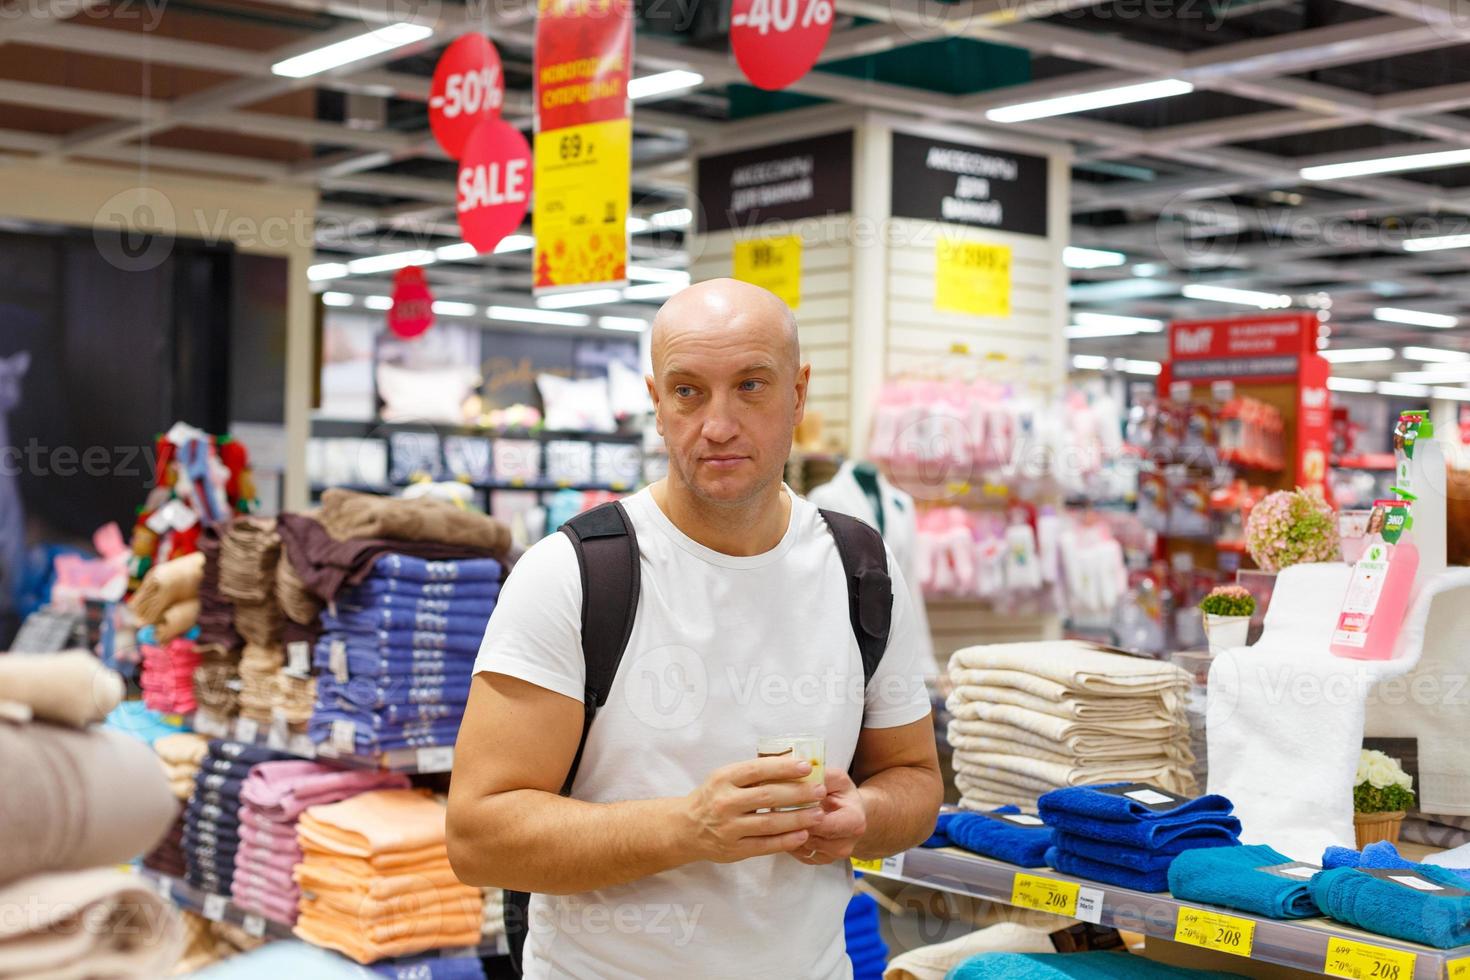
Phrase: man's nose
pixel 719 423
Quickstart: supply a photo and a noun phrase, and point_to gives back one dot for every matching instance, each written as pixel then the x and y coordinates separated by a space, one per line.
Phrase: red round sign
pixel 777 41
pixel 413 305
pixel 468 89
pixel 494 185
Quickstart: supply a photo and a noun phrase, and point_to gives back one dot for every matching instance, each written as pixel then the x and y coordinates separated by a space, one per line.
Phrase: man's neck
pixel 749 529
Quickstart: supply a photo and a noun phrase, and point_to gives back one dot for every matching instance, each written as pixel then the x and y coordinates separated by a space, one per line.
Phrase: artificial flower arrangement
pixel 1289 527
pixel 1381 795
pixel 1227 611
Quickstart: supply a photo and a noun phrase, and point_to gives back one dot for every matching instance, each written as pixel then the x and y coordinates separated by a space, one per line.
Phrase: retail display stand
pixel 1319 946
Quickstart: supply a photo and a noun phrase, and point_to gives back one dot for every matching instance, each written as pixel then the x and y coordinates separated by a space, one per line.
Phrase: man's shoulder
pixel 553 555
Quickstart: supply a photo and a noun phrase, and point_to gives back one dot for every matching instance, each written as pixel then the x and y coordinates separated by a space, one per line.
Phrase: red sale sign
pixel 412 311
pixel 468 89
pixel 494 185
pixel 777 41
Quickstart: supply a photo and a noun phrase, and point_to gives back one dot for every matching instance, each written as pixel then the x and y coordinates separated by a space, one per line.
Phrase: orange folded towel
pixel 364 881
pixel 333 933
pixel 375 823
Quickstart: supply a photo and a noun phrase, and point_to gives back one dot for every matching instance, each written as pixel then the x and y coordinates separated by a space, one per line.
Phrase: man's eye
pixel 683 391
pixel 752 385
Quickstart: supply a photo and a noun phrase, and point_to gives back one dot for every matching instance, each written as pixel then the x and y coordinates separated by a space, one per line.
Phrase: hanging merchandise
pixel 494 185
pixel 468 89
pixel 584 53
pixel 412 311
pixel 776 42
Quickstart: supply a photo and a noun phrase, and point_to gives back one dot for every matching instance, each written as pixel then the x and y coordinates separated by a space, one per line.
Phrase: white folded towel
pixel 1076 666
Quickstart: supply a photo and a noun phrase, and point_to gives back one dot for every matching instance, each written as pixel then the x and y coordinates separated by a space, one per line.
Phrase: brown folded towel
pixel 260 623
pixel 296 602
pixel 70 688
pixel 347 514
pixel 167 584
pixel 247 559
pixel 177 620
pixel 293 697
pixel 84 924
pixel 258 669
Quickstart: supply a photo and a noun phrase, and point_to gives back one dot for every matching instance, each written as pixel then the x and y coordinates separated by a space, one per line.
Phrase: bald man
pixel 671 858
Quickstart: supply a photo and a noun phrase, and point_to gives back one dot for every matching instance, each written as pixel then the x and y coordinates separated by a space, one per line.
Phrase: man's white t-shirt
pixel 724 649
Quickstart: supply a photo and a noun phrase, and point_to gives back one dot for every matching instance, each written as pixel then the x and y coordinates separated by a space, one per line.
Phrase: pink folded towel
pixel 271 840
pixel 281 790
pixel 259 858
pixel 274 905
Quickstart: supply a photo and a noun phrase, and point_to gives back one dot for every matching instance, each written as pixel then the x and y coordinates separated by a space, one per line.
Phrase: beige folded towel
pixel 87 924
pixel 167 584
pixel 291 593
pixel 182 748
pixel 1100 710
pixel 1076 666
pixel 1060 729
pixel 346 515
pixel 1087 746
pixel 69 688
pixel 177 620
pixel 1037 772
pixel 935 962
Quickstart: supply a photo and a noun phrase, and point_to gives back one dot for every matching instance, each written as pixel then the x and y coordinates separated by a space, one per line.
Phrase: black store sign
pixel 968 185
pixel 801 179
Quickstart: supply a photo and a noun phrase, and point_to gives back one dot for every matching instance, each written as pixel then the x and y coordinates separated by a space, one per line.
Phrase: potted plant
pixel 1382 794
pixel 1227 610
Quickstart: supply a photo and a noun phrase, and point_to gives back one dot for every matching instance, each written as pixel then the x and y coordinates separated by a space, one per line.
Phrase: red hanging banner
pixel 412 311
pixel 494 185
pixel 778 41
pixel 468 89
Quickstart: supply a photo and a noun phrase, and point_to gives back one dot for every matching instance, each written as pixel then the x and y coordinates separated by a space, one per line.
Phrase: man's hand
pixel 844 820
pixel 720 815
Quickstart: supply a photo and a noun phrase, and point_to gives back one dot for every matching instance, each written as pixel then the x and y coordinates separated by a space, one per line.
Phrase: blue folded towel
pixel 412 603
pixel 1110 874
pixel 1124 857
pixel 1233 877
pixel 865 947
pixel 1085 811
pixel 407 567
pixel 373 589
pixel 376 692
pixel 455 621
pixel 433 968
pixel 1095 965
pixel 995 837
pixel 1358 897
pixel 940 837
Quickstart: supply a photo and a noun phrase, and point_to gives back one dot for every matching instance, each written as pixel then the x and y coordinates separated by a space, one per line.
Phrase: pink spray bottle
pixel 1378 593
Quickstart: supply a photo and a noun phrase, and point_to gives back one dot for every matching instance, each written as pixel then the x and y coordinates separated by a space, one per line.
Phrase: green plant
pixel 1228 600
pixel 1383 786
pixel 1368 798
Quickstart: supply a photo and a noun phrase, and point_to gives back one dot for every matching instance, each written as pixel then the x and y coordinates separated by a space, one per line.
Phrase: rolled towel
pixel 1239 878
pixel 167 584
pixel 1087 811
pixel 177 620
pixel 1437 917
pixel 1088 966
pixel 1110 874
pixel 1005 834
pixel 70 688
pixel 1380 854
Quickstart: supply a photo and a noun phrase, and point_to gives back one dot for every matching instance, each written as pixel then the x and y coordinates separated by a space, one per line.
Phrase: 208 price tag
pixel 777 41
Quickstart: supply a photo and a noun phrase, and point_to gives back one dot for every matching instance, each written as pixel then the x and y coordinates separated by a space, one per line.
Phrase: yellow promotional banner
pixel 772 263
pixel 582 178
pixel 972 277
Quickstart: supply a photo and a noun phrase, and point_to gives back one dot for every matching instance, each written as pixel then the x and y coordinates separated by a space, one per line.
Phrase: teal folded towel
pixel 1095 965
pixel 1233 877
pixel 1357 896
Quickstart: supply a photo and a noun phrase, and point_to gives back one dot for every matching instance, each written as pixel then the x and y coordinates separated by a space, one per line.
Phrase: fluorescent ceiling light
pixel 1386 165
pixel 648 273
pixel 1146 269
pixel 1453 394
pixel 1436 354
pixel 1399 388
pixel 631 323
pixel 647 86
pixel 514 243
pixel 456 253
pixel 521 314
pixel 636 226
pixel 1138 367
pixel 652 290
pixel 1445 374
pixel 378 302
pixel 448 307
pixel 1415 318
pixel 1354 355
pixel 1089 362
pixel 1436 243
pixel 353 49
pixel 337 299
pixel 1362 385
pixel 677 218
pixel 1086 101
pixel 391 261
pixel 1077 257
pixel 326 270
pixel 582 297
pixel 1079 331
pixel 1134 324
pixel 1243 297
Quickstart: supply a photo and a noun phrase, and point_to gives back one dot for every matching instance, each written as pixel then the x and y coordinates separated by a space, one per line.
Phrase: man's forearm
pixel 534 841
pixel 901 804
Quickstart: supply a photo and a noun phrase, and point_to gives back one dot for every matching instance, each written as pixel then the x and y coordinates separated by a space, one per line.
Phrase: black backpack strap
pixel 607 557
pixel 869 588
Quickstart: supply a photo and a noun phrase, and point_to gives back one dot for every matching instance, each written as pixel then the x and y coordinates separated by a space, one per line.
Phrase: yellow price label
pixel 771 263
pixel 1363 961
pixel 891 866
pixel 958 488
pixel 867 864
pixel 517 481
pixel 1044 894
pixel 1460 969
pixel 175 719
pixel 1215 930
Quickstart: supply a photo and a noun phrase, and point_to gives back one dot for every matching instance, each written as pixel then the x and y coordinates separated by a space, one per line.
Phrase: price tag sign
pixel 972 278
pixel 303 746
pixel 1215 930
pixel 246 729
pixel 778 41
pixel 165 888
pixel 1460 969
pixel 1044 894
pixel 298 653
pixel 279 735
pixel 771 263
pixel 214 908
pixel 1364 961
pixel 468 88
pixel 337 661
pixel 440 758
pixel 254 925
pixel 890 866
pixel 344 736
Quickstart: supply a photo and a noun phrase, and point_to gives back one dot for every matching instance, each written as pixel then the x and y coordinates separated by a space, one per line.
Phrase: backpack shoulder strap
pixel 869 588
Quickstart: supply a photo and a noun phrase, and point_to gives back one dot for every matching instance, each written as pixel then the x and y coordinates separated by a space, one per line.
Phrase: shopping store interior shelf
pixel 430 759
pixel 1304 944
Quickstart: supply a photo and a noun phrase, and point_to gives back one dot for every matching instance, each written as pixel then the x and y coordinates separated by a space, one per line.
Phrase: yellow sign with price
pixel 771 263
pixel 972 277
pixel 1363 961
pixel 581 187
pixel 1215 930
pixel 1044 894
pixel 1460 969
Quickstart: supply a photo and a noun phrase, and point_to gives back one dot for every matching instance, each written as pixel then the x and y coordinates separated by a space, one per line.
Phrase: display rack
pixel 219 908
pixel 430 759
pixel 1319 946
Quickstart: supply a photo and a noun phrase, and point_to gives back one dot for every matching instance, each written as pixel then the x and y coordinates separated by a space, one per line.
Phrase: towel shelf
pixel 218 908
pixel 430 759
pixel 1299 943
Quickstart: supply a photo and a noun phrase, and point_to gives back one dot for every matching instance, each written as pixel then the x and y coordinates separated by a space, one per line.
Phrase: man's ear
pixel 653 397
pixel 803 379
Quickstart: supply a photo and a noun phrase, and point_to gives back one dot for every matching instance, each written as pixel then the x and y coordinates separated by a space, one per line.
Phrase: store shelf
pixel 431 759
pixel 350 429
pixel 1365 461
pixel 219 908
pixel 540 486
pixel 1299 943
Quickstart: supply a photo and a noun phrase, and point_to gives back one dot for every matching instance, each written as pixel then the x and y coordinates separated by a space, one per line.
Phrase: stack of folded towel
pixel 1128 834
pixel 1380 854
pixel 1421 903
pixel 395 663
pixel 216 686
pixel 212 820
pixel 1436 829
pixel 865 946
pixel 376 881
pixel 259 666
pixel 249 551
pixel 274 796
pixel 1033 717
pixel 181 755
pixel 168 674
pixel 168 584
pixel 1004 833
pixel 216 610
pixel 1251 877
